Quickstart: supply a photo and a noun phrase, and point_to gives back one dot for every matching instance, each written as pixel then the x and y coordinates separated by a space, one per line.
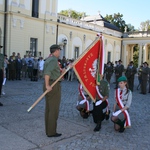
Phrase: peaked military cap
pixel 54 47
pixel 123 78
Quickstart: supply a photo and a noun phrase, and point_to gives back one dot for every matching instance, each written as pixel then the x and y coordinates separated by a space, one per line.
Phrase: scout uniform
pixel 1 72
pixel 97 113
pixel 51 68
pixel 84 103
pixel 123 99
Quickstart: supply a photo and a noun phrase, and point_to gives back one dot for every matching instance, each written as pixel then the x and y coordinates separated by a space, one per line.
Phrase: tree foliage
pixel 72 13
pixel 117 20
pixel 135 55
pixel 145 26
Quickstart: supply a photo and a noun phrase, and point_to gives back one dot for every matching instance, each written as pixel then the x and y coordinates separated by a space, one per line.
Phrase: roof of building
pixel 100 20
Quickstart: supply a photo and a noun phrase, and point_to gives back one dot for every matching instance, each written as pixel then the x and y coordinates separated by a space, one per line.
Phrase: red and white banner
pixel 86 67
pixel 126 114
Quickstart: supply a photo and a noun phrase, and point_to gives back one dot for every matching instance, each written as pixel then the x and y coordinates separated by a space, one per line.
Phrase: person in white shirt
pixel 41 66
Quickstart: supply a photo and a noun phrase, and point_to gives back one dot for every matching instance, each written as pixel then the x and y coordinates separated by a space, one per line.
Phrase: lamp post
pixel 64 46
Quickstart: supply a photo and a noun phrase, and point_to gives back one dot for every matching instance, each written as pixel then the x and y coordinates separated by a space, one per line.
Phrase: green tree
pixel 130 27
pixel 145 26
pixel 135 55
pixel 72 13
pixel 117 20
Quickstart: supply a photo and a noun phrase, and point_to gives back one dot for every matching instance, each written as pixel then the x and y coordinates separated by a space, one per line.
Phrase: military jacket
pixel 103 88
pixel 145 71
pixel 130 72
pixel 51 68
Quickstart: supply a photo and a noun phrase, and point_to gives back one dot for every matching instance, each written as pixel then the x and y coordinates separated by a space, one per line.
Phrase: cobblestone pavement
pixel 20 130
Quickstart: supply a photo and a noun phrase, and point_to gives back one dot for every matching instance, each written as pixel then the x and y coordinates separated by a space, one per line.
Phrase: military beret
pixel 123 78
pixel 54 47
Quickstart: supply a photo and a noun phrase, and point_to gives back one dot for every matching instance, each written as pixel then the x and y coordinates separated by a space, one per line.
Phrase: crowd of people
pixel 118 69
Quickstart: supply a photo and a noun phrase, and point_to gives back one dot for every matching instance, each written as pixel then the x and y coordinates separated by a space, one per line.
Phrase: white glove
pixel 117 113
pixel 98 103
pixel 82 101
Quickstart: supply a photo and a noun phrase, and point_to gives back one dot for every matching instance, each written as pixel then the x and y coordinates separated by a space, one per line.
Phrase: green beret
pixel 123 78
pixel 54 47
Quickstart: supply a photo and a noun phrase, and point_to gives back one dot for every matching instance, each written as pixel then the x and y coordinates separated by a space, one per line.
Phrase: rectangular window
pixel 33 46
pixel 109 57
pixel 35 8
pixel 76 52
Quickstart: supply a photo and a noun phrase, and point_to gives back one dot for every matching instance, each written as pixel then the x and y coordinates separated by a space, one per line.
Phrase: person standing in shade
pixel 51 73
pixel 108 71
pixel 130 72
pixel 118 71
pixel 1 72
pixel 145 72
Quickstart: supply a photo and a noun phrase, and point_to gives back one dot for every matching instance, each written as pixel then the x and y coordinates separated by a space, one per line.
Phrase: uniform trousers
pixel 97 113
pixel 143 86
pixel 131 83
pixel 52 108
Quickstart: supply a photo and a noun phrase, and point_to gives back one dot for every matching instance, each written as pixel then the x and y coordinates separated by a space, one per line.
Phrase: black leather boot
pixel 98 127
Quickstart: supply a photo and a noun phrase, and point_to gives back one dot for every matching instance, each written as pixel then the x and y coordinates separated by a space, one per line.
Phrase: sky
pixel 134 12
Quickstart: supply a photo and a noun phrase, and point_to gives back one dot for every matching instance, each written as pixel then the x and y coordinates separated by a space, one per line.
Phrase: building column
pixel 124 55
pixel 144 52
pixel 131 53
pixel 140 56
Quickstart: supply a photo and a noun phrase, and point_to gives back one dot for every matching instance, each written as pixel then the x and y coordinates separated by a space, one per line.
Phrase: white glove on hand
pixel 117 113
pixel 98 103
pixel 82 101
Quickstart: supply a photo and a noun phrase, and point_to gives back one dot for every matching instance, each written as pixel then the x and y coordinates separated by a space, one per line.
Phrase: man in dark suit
pixel 118 71
pixel 108 71
pixel 130 72
pixel 18 67
pixel 145 72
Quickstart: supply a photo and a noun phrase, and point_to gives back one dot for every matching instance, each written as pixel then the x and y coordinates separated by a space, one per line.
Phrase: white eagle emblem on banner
pixel 94 68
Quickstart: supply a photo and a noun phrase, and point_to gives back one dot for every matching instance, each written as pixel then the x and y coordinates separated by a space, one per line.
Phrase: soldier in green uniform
pixel 99 105
pixel 53 97
pixel 1 72
pixel 130 73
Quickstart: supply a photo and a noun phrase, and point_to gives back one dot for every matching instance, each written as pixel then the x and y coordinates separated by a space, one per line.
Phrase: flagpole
pixel 40 98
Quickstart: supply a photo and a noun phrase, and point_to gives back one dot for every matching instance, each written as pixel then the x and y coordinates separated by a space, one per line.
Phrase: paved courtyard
pixel 20 130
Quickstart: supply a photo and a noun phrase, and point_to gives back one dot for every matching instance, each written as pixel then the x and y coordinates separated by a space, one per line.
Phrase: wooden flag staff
pixel 40 98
